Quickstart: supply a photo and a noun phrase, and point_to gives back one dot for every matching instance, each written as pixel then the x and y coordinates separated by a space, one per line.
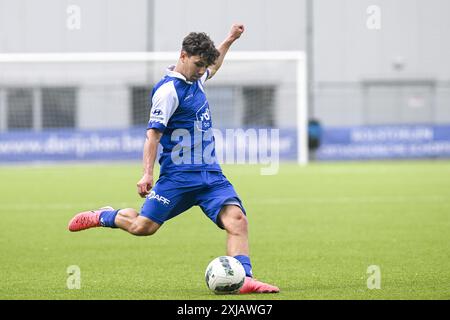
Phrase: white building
pixel 394 69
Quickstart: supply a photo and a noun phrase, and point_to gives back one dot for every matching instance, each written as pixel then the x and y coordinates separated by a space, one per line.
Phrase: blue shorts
pixel 176 192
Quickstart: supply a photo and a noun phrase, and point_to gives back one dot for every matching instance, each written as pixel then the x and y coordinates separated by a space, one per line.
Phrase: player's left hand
pixel 236 31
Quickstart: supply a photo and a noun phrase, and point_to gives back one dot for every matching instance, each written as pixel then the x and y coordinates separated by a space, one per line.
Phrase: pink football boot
pixel 87 219
pixel 254 286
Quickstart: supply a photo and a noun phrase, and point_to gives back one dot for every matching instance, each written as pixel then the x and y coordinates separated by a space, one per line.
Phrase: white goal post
pixel 284 70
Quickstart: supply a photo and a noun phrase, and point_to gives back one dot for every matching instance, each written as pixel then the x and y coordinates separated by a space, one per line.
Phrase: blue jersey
pixel 181 112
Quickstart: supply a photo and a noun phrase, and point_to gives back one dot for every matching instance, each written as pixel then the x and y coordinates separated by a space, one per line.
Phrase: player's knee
pixel 242 221
pixel 235 221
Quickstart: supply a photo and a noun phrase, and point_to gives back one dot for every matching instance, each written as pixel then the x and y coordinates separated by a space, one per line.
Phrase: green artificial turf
pixel 314 231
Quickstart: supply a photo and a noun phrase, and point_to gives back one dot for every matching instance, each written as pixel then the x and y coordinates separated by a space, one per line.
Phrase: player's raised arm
pixel 235 33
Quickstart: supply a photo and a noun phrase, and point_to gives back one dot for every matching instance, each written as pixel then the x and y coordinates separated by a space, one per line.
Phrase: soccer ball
pixel 225 275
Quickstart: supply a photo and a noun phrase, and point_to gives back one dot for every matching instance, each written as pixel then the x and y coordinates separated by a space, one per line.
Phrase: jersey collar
pixel 174 74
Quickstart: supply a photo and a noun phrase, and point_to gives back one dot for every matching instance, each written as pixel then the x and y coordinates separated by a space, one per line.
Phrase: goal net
pixel 88 98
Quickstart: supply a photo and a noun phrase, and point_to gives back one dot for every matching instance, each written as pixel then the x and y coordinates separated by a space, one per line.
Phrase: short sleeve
pixel 164 104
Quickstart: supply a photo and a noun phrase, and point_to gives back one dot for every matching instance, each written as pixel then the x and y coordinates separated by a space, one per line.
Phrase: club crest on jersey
pixel 204 118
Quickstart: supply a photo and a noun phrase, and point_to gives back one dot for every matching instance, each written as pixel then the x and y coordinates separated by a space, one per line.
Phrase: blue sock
pixel 107 218
pixel 245 261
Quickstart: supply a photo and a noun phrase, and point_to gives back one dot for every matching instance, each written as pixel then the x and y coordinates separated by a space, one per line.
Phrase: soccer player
pixel 189 172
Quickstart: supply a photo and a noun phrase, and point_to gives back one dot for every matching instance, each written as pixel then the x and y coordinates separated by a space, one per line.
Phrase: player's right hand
pixel 236 31
pixel 145 185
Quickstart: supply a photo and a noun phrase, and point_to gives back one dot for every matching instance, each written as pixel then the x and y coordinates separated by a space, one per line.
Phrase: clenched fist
pixel 236 31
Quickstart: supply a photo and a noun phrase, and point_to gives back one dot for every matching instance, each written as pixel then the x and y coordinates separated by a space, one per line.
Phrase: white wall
pixel 41 26
pixel 346 50
pixel 270 25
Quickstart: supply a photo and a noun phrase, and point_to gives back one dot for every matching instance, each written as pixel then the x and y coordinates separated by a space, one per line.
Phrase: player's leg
pixel 232 219
pixel 138 225
pixel 167 199
pixel 235 223
pixel 126 219
pixel 222 205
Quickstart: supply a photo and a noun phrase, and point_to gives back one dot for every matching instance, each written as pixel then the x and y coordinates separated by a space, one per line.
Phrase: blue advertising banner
pixel 56 145
pixel 232 145
pixel 385 142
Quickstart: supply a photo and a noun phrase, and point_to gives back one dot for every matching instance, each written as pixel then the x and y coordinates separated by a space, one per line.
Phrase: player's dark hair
pixel 199 44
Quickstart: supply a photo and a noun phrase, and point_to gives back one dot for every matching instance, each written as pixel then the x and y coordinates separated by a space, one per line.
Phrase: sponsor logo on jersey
pixel 204 118
pixel 158 198
pixel 157 112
